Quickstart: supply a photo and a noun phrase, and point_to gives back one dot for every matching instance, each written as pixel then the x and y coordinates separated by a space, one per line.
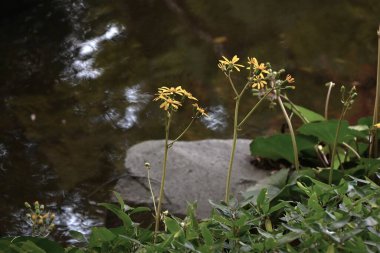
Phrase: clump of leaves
pixel 302 215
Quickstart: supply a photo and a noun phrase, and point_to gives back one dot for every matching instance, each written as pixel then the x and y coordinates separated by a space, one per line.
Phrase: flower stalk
pixel 292 135
pixel 163 177
pixel 171 100
pixel 330 85
pixel 373 145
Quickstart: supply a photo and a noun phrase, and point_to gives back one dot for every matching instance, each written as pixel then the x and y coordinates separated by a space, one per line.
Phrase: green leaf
pixel 261 197
pixel 100 235
pixel 77 235
pixel 331 249
pixel 172 225
pixel 26 247
pixel 289 237
pixel 139 209
pixel 119 213
pixel 325 131
pixel 206 234
pixel 303 113
pixel 119 199
pixel 313 203
pixel 280 146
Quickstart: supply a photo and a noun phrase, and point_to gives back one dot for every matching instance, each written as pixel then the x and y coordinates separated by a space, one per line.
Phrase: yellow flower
pixel 289 79
pixel 200 110
pixel 170 103
pixel 259 82
pixel 377 125
pixel 189 95
pixel 170 91
pixel 257 66
pixel 229 64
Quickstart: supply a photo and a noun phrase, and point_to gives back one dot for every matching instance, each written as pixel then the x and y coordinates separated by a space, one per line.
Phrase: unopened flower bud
pixel 27 205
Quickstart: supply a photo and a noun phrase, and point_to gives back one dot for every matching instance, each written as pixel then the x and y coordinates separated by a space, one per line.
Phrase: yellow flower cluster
pixel 41 222
pixel 258 69
pixel 168 97
pixel 226 64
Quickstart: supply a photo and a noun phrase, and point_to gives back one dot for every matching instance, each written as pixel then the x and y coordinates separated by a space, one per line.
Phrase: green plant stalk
pixel 161 195
pixel 351 149
pixel 335 143
pixel 294 109
pixel 232 84
pixel 232 156
pixel 183 132
pixel 151 192
pixel 228 180
pixel 292 135
pixel 331 84
pixel 373 146
pixel 254 108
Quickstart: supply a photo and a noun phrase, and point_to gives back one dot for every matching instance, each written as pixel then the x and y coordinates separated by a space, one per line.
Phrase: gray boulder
pixel 196 171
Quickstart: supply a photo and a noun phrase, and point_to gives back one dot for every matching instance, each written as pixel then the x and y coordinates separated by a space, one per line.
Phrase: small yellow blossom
pixel 289 79
pixel 170 103
pixel 259 83
pixel 200 110
pixel 170 91
pixel 377 125
pixel 256 65
pixel 189 95
pixel 229 64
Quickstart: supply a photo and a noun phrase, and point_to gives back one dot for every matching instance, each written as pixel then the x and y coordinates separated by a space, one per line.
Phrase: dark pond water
pixel 77 78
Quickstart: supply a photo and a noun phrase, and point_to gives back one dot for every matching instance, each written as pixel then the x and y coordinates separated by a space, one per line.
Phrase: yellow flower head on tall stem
pixel 174 104
pixel 171 97
pixel 230 64
pixel 255 65
pixel 200 110
pixel 259 83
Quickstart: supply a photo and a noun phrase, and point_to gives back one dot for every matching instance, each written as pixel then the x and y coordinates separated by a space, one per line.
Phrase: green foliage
pixel 304 215
pixel 279 146
pixel 304 114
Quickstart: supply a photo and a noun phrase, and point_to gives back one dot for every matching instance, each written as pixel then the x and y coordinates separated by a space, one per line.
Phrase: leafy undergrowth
pixel 295 213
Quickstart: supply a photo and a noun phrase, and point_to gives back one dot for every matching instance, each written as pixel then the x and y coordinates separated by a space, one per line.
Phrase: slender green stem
pixel 254 108
pixel 292 135
pixel 161 195
pixel 373 146
pixel 151 192
pixel 351 149
pixel 335 143
pixel 232 84
pixel 294 108
pixel 183 132
pixel 330 84
pixel 228 181
pixel 320 155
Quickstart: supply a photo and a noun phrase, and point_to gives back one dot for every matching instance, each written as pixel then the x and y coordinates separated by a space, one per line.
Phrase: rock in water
pixel 196 171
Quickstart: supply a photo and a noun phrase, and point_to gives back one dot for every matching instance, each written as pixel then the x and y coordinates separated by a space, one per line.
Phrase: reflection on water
pixel 137 100
pixel 77 79
pixel 217 118
pixel 83 65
